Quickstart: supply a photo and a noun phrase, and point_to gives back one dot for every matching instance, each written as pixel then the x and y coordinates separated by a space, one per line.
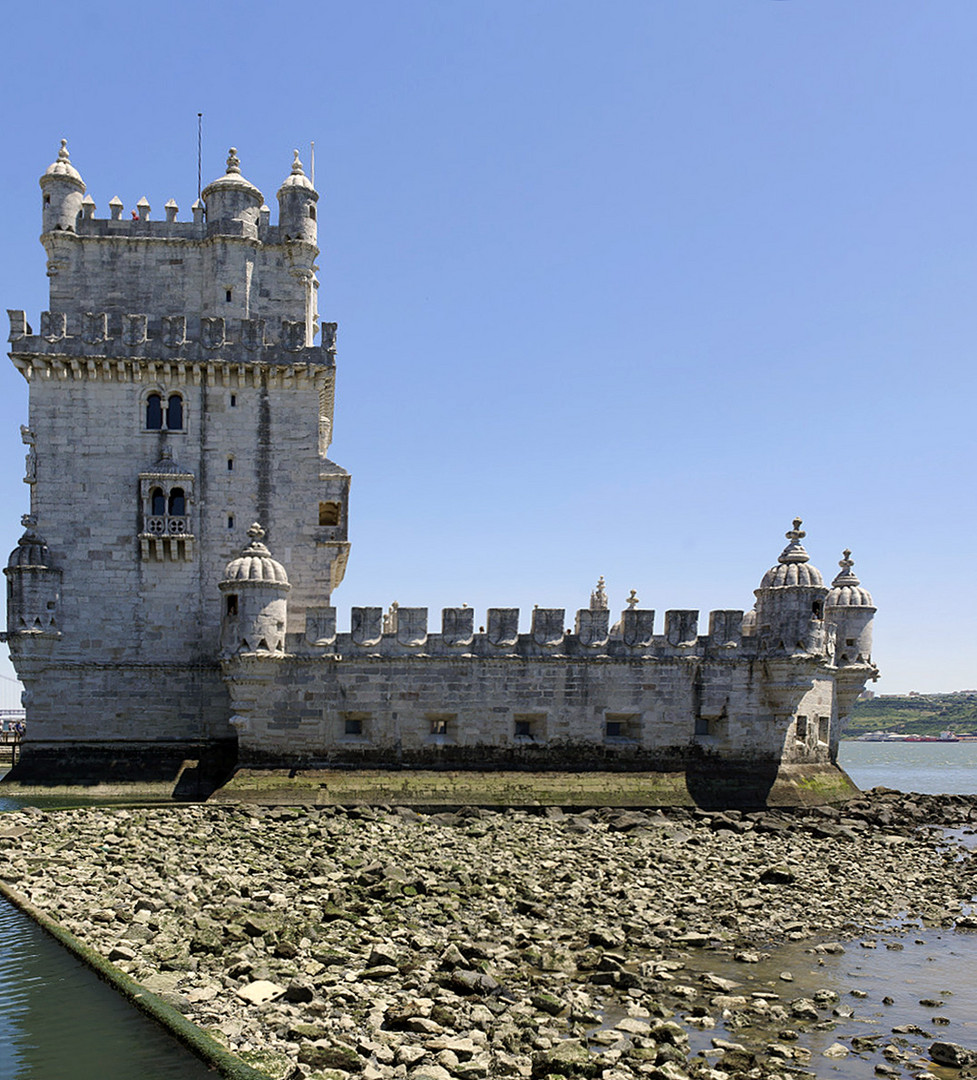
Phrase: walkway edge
pixel 197 1041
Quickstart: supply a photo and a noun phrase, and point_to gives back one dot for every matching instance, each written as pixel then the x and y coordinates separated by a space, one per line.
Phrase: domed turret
pixel 296 205
pixel 849 609
pixel 33 589
pixel 63 191
pixel 254 591
pixel 233 203
pixel 790 601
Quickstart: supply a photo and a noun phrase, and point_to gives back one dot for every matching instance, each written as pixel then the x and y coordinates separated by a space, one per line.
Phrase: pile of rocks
pixel 378 943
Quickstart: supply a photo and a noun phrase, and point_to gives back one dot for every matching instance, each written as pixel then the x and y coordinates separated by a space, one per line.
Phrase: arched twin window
pixel 168 512
pixel 156 414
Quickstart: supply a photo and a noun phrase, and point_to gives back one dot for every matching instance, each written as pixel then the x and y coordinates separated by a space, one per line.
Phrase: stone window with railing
pixel 166 496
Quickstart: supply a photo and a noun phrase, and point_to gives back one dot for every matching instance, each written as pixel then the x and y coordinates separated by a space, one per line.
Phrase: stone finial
pixel 794 552
pixel 297 169
pixel 171 209
pixel 88 208
pixel 846 577
pixel 254 545
pixel 143 208
pixel 115 208
pixel 29 521
pixel 62 169
pixel 632 600
pixel 598 598
pixel 390 619
pixel 233 161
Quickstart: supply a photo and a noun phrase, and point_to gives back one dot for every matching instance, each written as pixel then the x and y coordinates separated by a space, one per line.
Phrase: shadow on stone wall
pixel 192 770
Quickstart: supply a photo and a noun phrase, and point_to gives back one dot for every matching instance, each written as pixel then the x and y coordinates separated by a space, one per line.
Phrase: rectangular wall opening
pixel 622 727
pixel 529 727
pixel 329 513
pixel 442 727
pixel 354 725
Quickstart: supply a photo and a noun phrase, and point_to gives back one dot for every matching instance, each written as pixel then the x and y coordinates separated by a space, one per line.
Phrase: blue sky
pixel 622 287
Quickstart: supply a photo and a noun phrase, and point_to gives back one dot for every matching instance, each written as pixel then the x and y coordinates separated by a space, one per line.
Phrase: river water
pixel 58 1021
pixel 934 768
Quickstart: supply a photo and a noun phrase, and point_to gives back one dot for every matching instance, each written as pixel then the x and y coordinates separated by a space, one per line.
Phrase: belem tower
pixel 171 595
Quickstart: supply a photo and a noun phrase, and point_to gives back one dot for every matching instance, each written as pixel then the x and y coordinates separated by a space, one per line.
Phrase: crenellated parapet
pixel 188 339
pixel 403 632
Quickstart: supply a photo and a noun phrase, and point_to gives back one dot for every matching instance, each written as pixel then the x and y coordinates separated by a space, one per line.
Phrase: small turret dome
pixel 846 589
pixel 793 565
pixel 232 180
pixel 62 169
pixel 255 562
pixel 297 177
pixel 31 551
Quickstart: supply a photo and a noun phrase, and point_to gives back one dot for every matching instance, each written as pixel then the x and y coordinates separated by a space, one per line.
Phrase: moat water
pixel 59 1021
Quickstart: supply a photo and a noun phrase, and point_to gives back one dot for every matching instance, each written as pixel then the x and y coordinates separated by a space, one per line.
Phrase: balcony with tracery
pixel 166 494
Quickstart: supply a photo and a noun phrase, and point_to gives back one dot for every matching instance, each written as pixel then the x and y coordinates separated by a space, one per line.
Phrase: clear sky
pixel 622 287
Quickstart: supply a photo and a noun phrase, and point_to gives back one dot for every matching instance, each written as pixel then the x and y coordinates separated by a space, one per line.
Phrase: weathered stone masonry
pixel 181 388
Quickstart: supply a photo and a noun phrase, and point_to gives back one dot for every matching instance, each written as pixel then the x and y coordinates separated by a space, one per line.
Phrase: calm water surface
pixel 934 768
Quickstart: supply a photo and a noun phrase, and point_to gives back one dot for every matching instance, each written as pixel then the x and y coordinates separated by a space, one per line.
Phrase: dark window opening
pixel 524 729
pixel 154 412
pixel 849 641
pixel 329 513
pixel 818 608
pixel 823 727
pixel 801 728
pixel 620 726
pixel 233 400
pixel 230 464
pixel 227 295
pixel 47 200
pixel 312 212
pixel 230 521
pixel 174 413
pixel 441 725
pixel 178 503
pixel 158 501
pixel 354 725
pixel 231 605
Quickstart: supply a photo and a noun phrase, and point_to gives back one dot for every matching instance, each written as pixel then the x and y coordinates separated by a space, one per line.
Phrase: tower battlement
pixel 188 338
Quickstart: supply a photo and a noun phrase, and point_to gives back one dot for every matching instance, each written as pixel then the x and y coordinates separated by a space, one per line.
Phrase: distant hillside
pixel 916 714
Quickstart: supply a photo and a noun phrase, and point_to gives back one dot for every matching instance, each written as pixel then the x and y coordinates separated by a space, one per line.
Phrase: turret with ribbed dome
pixel 254 591
pixel 790 601
pixel 62 191
pixel 297 200
pixel 849 609
pixel 33 589
pixel 233 203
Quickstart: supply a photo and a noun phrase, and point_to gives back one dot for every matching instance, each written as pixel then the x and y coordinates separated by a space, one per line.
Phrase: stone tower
pixel 181 387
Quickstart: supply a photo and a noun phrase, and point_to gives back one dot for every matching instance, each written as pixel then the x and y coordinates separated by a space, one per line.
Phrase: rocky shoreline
pixel 375 942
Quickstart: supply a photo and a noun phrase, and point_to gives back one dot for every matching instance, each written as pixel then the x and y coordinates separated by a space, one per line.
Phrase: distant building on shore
pixel 181 399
